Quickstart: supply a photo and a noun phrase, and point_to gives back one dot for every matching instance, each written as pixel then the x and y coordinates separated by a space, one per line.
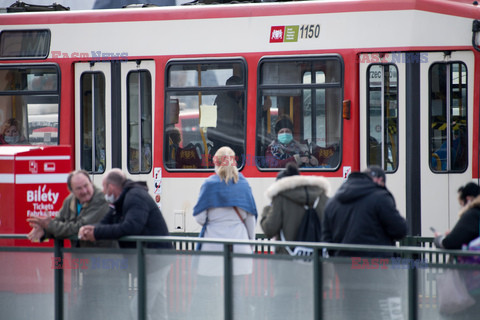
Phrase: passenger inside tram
pixel 458 153
pixel 284 149
pixel 230 128
pixel 187 157
pixel 10 133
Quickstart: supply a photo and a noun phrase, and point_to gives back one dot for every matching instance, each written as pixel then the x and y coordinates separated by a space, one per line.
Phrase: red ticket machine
pixel 32 183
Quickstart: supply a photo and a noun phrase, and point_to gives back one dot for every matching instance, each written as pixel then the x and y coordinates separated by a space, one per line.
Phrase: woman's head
pixel 284 130
pixel 10 131
pixel 226 165
pixel 291 169
pixel 467 193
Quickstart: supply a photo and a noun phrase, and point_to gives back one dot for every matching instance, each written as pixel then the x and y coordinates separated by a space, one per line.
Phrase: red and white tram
pixel 392 83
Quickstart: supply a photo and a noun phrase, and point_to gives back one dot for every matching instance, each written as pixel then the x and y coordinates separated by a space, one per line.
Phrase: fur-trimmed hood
pixel 475 203
pixel 292 183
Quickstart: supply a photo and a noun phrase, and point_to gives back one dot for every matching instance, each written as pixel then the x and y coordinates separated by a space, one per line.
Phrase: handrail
pixel 475 30
pixel 407 251
pixel 316 245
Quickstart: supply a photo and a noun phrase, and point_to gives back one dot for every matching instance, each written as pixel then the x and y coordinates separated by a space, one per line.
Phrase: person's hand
pixel 36 234
pixel 87 233
pixel 305 160
pixel 40 221
pixel 309 161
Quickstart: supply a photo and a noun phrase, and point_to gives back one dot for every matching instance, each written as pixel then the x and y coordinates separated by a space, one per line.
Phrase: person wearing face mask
pixel 285 149
pixel 10 133
pixel 85 205
pixel 135 213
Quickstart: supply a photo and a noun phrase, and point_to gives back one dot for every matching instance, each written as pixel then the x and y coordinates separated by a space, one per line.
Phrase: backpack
pixel 309 230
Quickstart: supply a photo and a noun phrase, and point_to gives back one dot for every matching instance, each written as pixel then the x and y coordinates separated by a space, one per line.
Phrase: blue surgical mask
pixel 285 138
pixel 11 139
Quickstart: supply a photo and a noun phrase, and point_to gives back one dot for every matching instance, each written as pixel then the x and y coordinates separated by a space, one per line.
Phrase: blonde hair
pixel 12 122
pixel 226 165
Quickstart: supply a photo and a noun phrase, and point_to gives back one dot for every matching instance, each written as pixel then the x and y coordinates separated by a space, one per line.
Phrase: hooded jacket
pixel 362 212
pixel 466 229
pixel 135 213
pixel 288 197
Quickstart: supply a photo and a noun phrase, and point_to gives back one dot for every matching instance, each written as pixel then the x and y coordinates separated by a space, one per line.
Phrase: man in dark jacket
pixel 363 211
pixel 135 213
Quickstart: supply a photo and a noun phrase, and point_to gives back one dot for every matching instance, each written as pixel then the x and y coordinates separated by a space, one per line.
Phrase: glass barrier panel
pixel 100 286
pixel 26 285
pixel 370 289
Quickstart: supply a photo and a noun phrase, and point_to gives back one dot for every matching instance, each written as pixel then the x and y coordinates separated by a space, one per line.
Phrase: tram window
pixel 308 92
pixel 29 99
pixel 24 43
pixel 448 108
pixel 382 116
pixel 139 113
pixel 93 157
pixel 205 110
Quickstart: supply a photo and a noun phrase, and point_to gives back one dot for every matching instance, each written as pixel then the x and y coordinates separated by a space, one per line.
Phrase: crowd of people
pixel 362 211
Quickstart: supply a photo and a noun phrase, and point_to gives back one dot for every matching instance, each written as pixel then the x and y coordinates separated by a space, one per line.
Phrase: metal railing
pixel 419 283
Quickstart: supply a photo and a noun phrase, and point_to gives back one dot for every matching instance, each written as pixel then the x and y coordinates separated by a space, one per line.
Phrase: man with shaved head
pixel 135 213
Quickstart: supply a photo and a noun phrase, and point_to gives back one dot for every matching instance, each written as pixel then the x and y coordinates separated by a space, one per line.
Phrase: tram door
pixel 445 125
pixel 382 117
pixel 446 132
pixel 114 118
pixel 93 130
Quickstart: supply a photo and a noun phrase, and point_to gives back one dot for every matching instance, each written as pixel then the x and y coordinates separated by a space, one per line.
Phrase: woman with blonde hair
pixel 227 209
pixel 10 133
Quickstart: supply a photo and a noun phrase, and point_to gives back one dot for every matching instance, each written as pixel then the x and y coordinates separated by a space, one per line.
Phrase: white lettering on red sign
pixel 41 195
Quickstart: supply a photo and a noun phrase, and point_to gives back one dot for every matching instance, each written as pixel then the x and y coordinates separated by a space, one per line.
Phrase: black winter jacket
pixel 135 213
pixel 362 212
pixel 466 229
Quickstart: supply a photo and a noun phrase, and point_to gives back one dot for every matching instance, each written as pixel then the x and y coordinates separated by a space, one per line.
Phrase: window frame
pixel 43 96
pixel 82 121
pixel 448 107
pixel 383 117
pixel 149 105
pixel 40 57
pixel 203 89
pixel 339 84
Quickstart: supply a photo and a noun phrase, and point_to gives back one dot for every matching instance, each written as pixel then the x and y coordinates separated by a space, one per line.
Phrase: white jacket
pixel 224 223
